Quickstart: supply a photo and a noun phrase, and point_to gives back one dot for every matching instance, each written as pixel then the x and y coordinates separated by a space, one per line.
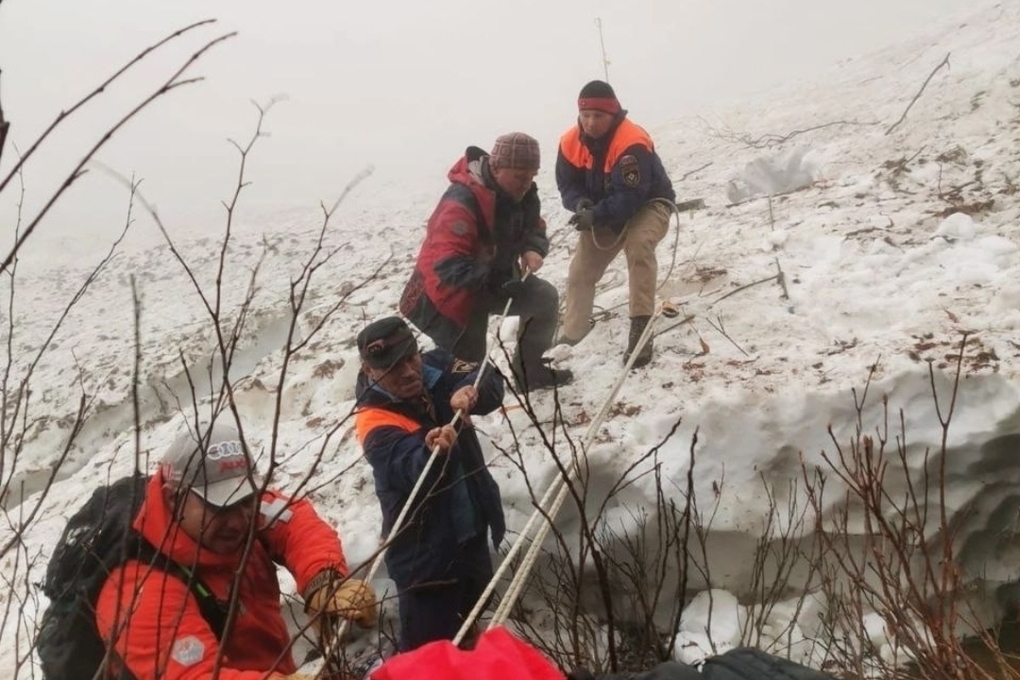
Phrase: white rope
pixel 559 488
pixel 675 217
pixel 399 522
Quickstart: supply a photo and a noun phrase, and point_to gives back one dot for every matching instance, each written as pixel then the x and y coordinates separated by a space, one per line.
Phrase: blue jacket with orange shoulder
pixel 618 172
pixel 459 499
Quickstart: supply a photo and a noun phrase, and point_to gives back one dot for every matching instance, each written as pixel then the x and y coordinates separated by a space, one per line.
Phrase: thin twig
pixel 769 139
pixel 691 172
pixel 136 371
pixel 781 280
pixel 944 62
pixel 744 287
pixel 722 331
pixel 171 83
pixel 63 115
pixel 4 127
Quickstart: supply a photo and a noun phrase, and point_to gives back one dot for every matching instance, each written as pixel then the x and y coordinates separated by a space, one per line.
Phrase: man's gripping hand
pixel 443 437
pixel 351 598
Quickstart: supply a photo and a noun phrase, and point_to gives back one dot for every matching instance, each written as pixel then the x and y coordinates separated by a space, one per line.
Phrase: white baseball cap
pixel 212 462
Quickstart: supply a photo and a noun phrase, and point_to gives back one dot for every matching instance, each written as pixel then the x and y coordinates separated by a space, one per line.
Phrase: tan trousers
pixel 596 250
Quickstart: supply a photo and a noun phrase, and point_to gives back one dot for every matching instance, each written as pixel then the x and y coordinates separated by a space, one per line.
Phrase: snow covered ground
pixel 892 247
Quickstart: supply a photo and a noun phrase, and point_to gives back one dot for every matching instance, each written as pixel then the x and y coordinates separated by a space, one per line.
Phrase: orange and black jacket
pixel 459 499
pixel 618 172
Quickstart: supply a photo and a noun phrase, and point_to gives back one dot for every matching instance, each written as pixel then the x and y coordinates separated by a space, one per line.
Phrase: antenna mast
pixel 602 45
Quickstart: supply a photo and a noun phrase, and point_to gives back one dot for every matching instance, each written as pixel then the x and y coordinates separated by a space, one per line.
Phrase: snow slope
pixel 898 245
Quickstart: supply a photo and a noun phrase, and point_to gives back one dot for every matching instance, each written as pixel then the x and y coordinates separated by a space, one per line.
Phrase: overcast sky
pixel 403 85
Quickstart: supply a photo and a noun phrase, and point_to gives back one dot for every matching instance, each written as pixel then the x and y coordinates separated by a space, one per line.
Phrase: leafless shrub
pixel 609 592
pixel 210 385
pixel 891 551
pixel 769 139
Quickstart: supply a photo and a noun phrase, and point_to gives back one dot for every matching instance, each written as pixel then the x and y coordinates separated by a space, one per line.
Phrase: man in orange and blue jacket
pixel 439 558
pixel 610 176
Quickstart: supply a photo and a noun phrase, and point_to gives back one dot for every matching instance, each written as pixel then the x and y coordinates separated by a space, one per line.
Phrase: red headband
pixel 607 104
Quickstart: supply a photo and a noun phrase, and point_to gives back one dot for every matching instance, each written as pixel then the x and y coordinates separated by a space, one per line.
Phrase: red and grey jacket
pixel 472 245
pixel 619 172
pixel 154 621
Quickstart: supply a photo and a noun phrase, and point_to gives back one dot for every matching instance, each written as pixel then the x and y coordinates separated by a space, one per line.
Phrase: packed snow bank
pixel 787 311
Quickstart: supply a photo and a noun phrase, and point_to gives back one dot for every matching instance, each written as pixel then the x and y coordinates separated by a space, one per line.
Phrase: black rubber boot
pixel 536 374
pixel 637 327
pixel 543 377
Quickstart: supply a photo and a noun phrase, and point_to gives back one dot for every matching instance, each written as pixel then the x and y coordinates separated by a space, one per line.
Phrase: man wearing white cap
pixel 201 509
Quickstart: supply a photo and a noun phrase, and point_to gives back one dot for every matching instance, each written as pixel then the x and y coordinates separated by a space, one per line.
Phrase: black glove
pixel 583 220
pixel 513 288
pixel 584 204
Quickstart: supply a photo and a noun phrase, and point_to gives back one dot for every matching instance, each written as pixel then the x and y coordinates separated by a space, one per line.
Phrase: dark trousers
pixel 538 309
pixel 436 611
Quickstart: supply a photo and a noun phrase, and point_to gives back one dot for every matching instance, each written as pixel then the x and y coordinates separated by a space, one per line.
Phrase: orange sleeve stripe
pixel 368 419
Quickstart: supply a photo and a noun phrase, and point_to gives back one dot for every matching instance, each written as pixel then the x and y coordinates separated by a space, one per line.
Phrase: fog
pixel 403 86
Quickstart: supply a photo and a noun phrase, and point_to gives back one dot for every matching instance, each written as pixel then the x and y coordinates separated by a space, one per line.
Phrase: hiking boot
pixel 542 377
pixel 637 327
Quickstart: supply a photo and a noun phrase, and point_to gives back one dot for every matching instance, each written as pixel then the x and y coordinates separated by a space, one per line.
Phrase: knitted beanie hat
pixel 516 151
pixel 598 95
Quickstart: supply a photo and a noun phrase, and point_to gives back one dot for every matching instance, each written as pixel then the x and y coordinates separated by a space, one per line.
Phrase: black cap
pixel 597 89
pixel 386 341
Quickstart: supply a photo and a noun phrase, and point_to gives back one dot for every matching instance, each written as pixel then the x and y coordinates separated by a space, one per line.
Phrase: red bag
pixel 497 656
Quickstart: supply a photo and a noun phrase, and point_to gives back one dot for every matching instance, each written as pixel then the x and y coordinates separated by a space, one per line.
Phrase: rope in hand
pixel 336 636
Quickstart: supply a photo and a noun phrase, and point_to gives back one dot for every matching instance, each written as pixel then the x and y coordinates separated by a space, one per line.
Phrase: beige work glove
pixel 350 598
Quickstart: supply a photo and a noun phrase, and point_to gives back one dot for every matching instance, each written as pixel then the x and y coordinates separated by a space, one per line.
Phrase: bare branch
pixel 769 139
pixel 170 84
pixel 4 127
pixel 691 172
pixel 944 62
pixel 63 115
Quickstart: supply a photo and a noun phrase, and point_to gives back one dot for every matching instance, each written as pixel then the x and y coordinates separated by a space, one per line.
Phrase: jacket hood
pixel 156 524
pixel 470 168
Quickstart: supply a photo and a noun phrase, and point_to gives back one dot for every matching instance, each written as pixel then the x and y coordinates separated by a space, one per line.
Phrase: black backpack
pixel 745 663
pixel 97 539
pixel 742 663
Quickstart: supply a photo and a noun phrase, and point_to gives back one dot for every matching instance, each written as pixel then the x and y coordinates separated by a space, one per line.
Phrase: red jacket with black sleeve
pixel 472 245
pixel 153 619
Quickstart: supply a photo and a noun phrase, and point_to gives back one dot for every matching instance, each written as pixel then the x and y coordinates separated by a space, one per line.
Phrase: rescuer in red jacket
pixel 487 230
pixel 199 509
